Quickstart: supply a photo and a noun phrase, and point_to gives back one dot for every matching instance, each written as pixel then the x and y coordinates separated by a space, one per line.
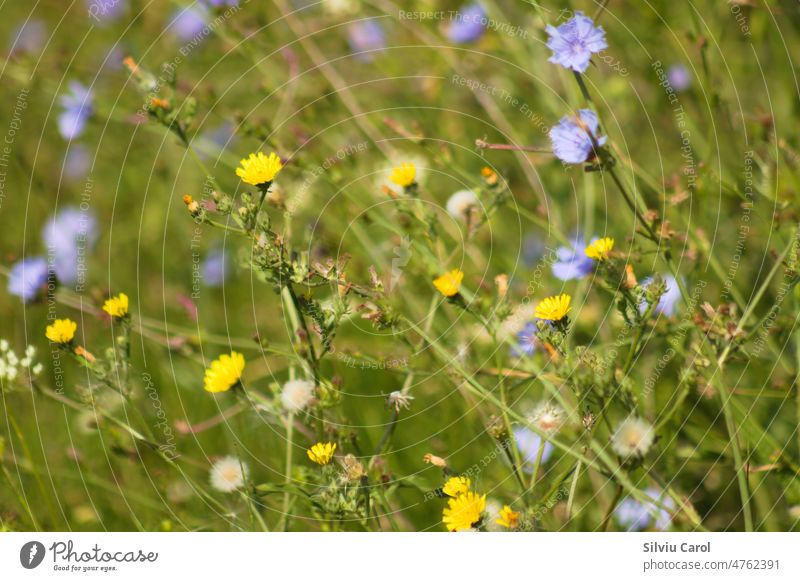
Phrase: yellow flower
pixel 599 249
pixel 258 169
pixel 449 283
pixel 61 331
pixel 224 372
pixel 508 518
pixel 321 453
pixel 463 511
pixel 404 175
pixel 456 485
pixel 117 306
pixel 553 308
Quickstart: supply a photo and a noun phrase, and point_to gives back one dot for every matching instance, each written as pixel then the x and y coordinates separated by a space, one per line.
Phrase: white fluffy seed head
pixel 548 417
pixel 228 474
pixel 461 204
pixel 297 394
pixel 633 437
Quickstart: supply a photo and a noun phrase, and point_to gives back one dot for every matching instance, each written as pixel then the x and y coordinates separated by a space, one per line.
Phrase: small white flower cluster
pixel 11 365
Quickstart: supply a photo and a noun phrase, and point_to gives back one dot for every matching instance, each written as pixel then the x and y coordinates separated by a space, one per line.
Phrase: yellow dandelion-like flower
pixel 508 518
pixel 61 331
pixel 463 511
pixel 553 308
pixel 404 175
pixel 456 485
pixel 449 283
pixel 321 453
pixel 599 249
pixel 117 306
pixel 258 169
pixel 224 372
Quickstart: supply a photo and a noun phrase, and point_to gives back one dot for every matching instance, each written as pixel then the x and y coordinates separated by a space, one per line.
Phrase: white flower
pixel 297 394
pixel 37 369
pixel 493 509
pixel 228 474
pixel 548 417
pixel 633 437
pixel 30 351
pixel 461 204
pixel 3 345
pixel 398 399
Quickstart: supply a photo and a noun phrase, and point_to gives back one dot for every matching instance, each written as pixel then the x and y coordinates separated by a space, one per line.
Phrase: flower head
pixel 404 175
pixel 456 486
pixel 321 453
pixel 76 109
pixel 679 77
pixel 529 442
pixel 572 263
pixel 365 38
pixel 68 235
pixel 573 138
pixel 61 331
pixel 117 306
pixel 188 23
pixel 399 400
pixel 574 42
pixel 224 372
pixel 215 268
pixel 297 394
pixel 463 511
pixel 668 303
pixel 526 340
pixel 554 308
pixel 508 518
pixel 633 437
pixel 258 169
pixel 449 283
pixel 635 516
pixel 28 277
pixel 548 417
pixel 461 204
pixel 599 249
pixel 468 24
pixel 228 474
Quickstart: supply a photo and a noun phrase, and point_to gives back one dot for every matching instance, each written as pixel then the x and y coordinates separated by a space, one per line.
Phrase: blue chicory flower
pixel 105 11
pixel 572 263
pixel 636 516
pixel 668 303
pixel 68 236
pixel 574 42
pixel 528 443
pixel 526 340
pixel 468 25
pixel 189 23
pixel 77 108
pixel 365 37
pixel 27 278
pixel 679 77
pixel 572 143
pixel 215 268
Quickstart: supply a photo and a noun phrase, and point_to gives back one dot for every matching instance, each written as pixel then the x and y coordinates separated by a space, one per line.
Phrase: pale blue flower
pixel 468 24
pixel 69 236
pixel 77 108
pixel 679 77
pixel 574 42
pixel 365 37
pixel 636 516
pixel 572 263
pixel 572 143
pixel 528 443
pixel 28 277
pixel 189 23
pixel 668 303
pixel 526 340
pixel 105 11
pixel 215 268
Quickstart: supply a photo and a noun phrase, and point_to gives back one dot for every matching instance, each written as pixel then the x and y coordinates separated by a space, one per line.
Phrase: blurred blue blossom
pixel 105 11
pixel 77 108
pixel 668 303
pixel 574 42
pixel 188 23
pixel 222 2
pixel 636 516
pixel 29 37
pixel 679 77
pixel 528 443
pixel 571 142
pixel 27 277
pixel 526 340
pixel 467 26
pixel 215 268
pixel 69 236
pixel 572 261
pixel 364 37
